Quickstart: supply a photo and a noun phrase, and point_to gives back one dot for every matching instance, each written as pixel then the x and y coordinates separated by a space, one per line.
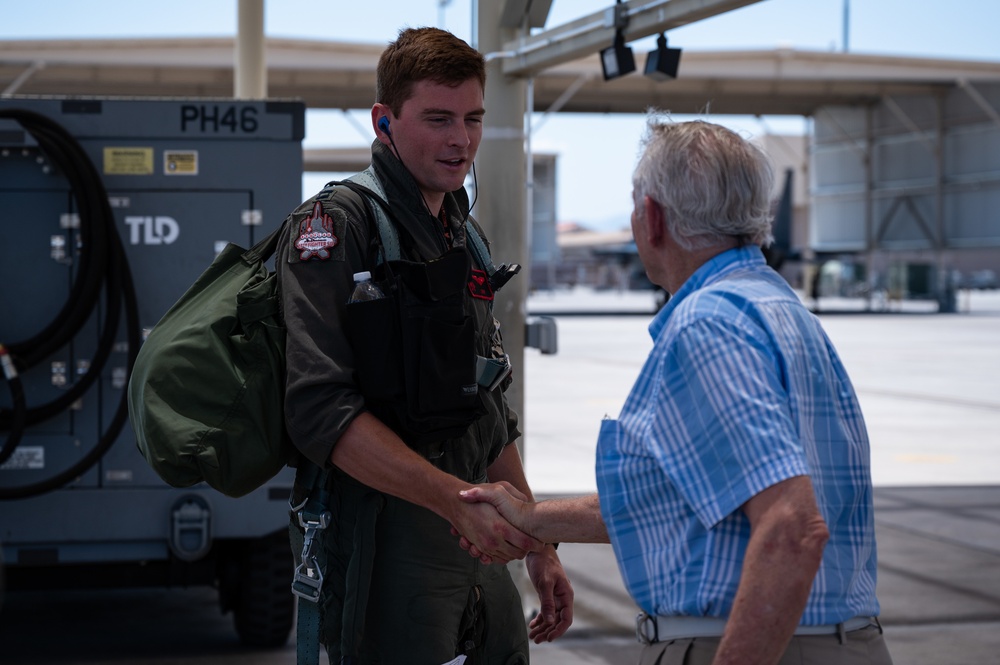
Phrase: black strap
pixel 312 513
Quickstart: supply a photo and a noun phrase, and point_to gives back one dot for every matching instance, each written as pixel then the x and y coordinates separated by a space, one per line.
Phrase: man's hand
pixel 575 519
pixel 555 594
pixel 487 535
pixel 507 500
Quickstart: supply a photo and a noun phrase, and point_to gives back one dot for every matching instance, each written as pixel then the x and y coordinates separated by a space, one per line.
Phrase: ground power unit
pixel 82 281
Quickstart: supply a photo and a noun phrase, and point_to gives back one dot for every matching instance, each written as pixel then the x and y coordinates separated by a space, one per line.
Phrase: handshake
pixel 507 524
pixel 526 525
pixel 507 544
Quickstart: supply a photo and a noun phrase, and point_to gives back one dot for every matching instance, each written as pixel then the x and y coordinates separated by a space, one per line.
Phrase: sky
pixel 590 148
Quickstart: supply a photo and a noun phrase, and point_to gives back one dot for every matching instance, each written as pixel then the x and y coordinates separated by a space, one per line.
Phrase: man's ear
pixel 380 111
pixel 655 222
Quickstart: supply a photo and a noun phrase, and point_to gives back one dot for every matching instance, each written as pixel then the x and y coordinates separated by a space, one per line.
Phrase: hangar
pixel 902 162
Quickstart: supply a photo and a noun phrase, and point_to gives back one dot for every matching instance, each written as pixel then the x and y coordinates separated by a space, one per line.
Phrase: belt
pixel 652 629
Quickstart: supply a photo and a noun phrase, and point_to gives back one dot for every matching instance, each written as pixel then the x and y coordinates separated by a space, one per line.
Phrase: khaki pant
pixel 862 647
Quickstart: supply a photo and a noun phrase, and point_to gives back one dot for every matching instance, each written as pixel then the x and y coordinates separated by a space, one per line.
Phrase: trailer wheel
pixel 264 609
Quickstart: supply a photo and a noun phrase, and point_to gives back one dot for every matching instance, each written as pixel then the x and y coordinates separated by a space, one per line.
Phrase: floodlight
pixel 617 60
pixel 662 63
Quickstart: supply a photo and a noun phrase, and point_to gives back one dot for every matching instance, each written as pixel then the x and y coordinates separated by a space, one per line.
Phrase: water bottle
pixel 364 288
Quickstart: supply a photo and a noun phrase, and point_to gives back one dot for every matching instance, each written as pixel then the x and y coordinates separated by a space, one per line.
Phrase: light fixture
pixel 617 60
pixel 662 63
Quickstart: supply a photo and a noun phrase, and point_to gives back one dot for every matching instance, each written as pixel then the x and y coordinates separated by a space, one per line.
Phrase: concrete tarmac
pixel 929 386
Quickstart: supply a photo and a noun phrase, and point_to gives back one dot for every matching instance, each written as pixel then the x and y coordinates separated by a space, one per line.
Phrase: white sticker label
pixel 25 457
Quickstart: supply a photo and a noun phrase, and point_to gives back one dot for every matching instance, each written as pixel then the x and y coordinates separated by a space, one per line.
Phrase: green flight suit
pixel 412 595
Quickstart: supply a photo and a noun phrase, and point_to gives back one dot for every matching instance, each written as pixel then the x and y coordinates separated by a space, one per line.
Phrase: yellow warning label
pixel 180 162
pixel 128 161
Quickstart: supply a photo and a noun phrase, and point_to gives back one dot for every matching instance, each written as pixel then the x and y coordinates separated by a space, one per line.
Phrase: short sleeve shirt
pixel 742 390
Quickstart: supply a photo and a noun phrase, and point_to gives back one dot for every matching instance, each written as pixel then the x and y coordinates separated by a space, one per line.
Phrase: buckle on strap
pixel 308 579
pixel 646 629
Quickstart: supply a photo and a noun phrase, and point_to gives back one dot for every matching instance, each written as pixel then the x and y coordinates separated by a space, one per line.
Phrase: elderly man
pixel 735 486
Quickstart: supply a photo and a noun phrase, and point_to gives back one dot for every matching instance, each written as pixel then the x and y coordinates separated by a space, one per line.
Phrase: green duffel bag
pixel 206 395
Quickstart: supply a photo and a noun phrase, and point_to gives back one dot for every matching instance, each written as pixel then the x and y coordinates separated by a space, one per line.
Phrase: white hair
pixel 710 182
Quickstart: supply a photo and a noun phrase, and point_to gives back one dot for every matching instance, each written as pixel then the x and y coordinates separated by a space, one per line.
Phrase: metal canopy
pixel 341 75
pixel 530 55
pixel 530 13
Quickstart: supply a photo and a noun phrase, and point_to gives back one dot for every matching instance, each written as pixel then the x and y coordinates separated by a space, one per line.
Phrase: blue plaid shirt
pixel 742 390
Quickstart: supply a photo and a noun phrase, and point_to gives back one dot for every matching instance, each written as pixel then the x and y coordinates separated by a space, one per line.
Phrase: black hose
pixel 17 393
pixel 102 262
pixel 95 218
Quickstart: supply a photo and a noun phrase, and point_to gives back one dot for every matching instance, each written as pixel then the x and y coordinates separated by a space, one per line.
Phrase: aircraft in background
pixel 777 253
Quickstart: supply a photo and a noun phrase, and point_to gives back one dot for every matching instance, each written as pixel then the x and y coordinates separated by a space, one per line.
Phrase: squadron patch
pixel 316 237
pixel 479 285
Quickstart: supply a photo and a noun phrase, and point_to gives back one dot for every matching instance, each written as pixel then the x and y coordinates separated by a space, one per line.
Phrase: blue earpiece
pixel 383 124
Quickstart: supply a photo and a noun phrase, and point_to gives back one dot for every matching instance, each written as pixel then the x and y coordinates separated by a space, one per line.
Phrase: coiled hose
pixel 102 262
